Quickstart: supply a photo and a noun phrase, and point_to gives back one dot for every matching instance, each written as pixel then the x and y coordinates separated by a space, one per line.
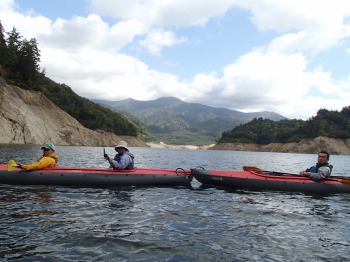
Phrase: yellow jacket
pixel 45 161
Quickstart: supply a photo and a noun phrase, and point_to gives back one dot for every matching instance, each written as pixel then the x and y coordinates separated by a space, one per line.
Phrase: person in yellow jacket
pixel 49 159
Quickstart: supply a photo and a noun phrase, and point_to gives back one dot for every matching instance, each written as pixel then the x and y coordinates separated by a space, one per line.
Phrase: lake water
pixel 53 223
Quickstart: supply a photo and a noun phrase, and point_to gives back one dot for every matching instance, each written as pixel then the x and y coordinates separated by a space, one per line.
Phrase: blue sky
pixel 290 57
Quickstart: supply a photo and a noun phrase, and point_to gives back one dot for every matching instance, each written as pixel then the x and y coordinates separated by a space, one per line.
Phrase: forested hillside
pixel 180 123
pixel 326 123
pixel 19 65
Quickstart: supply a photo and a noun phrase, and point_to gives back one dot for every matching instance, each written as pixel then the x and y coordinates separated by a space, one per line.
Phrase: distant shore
pixel 311 145
pixel 191 147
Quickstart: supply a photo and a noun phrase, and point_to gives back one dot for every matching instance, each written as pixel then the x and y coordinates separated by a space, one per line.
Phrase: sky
pixel 290 57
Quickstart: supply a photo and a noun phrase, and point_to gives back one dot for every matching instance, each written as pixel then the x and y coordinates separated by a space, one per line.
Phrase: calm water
pixel 40 223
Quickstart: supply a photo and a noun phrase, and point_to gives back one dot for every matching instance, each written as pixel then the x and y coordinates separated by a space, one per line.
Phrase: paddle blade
pixel 11 165
pixel 345 181
pixel 252 168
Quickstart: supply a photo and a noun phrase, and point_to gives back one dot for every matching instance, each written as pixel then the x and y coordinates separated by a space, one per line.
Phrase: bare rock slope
pixel 334 146
pixel 28 117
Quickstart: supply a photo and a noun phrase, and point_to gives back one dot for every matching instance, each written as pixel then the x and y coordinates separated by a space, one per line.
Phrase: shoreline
pixel 190 147
pixel 334 146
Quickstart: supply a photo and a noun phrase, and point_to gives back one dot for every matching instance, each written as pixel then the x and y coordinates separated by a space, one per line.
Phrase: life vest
pixel 131 164
pixel 53 156
pixel 314 169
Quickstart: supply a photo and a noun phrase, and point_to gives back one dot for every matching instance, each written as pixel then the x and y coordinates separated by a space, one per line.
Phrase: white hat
pixel 122 144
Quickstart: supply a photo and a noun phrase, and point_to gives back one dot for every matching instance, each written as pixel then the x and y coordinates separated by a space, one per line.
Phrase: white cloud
pixel 158 38
pixel 7 5
pixel 179 13
pixel 28 26
pixel 270 81
pixel 316 25
pixel 257 80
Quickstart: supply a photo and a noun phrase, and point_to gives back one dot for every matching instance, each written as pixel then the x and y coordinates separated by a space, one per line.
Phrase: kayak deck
pixel 268 181
pixel 96 177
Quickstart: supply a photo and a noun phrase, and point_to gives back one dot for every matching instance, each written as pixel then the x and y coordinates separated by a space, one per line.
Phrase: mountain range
pixel 174 121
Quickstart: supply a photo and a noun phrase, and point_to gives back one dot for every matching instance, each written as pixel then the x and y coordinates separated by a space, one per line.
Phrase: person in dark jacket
pixel 321 170
pixel 124 159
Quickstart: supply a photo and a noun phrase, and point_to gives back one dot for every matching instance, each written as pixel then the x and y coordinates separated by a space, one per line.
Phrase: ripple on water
pixel 172 224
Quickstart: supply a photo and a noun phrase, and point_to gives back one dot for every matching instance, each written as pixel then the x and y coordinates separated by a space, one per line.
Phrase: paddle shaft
pixel 256 169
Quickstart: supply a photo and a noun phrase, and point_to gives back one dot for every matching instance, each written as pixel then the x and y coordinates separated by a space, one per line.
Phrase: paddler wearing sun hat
pixel 49 159
pixel 124 159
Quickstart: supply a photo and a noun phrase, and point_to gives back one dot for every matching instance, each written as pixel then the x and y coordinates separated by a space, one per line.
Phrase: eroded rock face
pixel 332 145
pixel 28 117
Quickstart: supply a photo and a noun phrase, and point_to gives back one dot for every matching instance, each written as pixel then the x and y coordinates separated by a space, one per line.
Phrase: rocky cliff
pixel 332 145
pixel 28 117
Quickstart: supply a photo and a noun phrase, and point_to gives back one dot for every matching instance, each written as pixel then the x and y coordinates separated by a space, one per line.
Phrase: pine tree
pixel 3 51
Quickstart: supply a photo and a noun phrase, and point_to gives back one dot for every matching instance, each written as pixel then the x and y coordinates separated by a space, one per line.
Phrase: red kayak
pixel 269 180
pixel 95 177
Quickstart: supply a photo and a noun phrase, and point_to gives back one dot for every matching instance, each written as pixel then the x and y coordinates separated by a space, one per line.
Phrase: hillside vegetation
pixel 19 65
pixel 180 123
pixel 332 124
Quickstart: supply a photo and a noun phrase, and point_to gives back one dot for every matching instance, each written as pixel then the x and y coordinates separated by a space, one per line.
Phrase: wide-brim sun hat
pixel 48 146
pixel 122 144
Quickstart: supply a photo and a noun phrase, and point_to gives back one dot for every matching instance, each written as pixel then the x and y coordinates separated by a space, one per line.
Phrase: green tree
pixel 3 46
pixel 12 56
pixel 29 59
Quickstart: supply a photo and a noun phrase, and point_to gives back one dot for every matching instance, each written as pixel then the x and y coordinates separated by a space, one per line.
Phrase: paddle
pixel 343 180
pixel 11 165
pixel 256 169
pixel 252 168
pixel 104 154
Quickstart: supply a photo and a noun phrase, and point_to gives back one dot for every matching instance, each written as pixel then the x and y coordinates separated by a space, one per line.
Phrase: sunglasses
pixel 46 149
